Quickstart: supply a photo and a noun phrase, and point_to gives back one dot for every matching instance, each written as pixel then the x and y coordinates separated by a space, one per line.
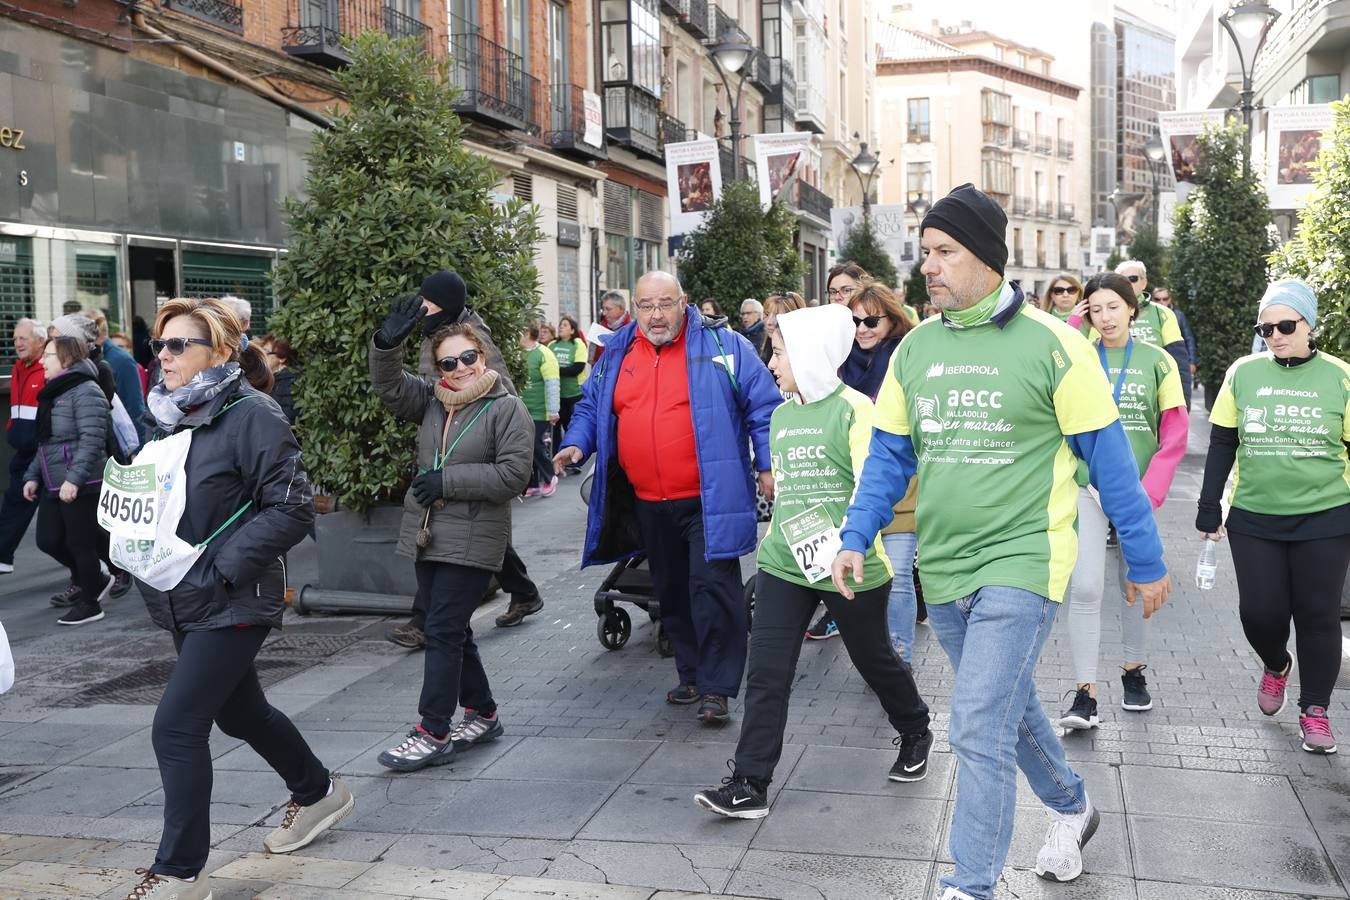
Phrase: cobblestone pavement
pixel 588 793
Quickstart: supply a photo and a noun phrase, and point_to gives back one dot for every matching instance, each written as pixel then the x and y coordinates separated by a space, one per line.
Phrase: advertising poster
pixel 1179 133
pixel 887 220
pixel 595 121
pixel 777 158
pixel 1293 142
pixel 693 182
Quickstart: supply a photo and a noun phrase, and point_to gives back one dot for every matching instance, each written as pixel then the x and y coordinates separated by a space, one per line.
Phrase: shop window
pixel 216 274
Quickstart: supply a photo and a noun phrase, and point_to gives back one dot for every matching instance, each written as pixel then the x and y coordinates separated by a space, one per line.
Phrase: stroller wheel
pixel 613 628
pixel 663 642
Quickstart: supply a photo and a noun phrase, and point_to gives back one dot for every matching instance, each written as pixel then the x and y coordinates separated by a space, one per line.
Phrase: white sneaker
pixel 1061 857
pixel 6 569
pixel 952 893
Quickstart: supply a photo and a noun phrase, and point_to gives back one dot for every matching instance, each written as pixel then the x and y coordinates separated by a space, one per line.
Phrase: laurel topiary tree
pixel 916 288
pixel 864 247
pixel 1320 250
pixel 741 250
pixel 392 195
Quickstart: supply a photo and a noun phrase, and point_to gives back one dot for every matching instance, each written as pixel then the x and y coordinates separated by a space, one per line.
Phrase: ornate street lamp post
pixel 1248 23
pixel 733 55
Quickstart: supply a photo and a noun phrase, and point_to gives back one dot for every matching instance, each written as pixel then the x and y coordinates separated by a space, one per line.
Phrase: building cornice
pixel 981 65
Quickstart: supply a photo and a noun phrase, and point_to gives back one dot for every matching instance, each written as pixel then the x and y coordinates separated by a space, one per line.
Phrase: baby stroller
pixel 631 582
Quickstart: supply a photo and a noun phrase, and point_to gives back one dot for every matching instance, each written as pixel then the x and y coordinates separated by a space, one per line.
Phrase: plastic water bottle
pixel 1207 565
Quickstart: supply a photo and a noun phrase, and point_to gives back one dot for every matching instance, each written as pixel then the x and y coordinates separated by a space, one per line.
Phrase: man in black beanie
pixel 444 302
pixel 990 404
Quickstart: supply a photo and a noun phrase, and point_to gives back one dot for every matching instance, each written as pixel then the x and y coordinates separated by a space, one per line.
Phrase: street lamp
pixel 1248 23
pixel 865 167
pixel 920 207
pixel 734 55
pixel 1155 153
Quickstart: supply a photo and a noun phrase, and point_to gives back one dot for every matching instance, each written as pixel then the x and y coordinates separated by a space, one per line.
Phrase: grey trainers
pixel 166 887
pixel 474 729
pixel 302 824
pixel 418 750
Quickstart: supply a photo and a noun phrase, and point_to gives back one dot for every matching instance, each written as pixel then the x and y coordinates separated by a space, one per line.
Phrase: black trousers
pixel 215 680
pixel 782 612
pixel 452 670
pixel 15 512
pixel 565 407
pixel 69 534
pixel 702 602
pixel 1280 581
pixel 513 578
pixel 543 459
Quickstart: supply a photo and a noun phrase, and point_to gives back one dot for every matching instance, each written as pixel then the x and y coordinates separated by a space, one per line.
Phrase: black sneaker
pixel 1082 715
pixel 121 584
pixel 714 710
pixel 1112 539
pixel 738 798
pixel 67 597
pixel 81 614
pixel 473 729
pixel 1136 697
pixel 517 610
pixel 824 629
pixel 912 763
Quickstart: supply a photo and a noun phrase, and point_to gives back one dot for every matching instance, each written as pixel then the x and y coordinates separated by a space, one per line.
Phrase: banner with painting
pixel 1179 132
pixel 693 182
pixel 888 221
pixel 1293 142
pixel 777 160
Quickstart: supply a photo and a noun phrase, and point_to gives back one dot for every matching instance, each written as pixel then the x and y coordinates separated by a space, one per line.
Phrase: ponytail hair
pixel 255 368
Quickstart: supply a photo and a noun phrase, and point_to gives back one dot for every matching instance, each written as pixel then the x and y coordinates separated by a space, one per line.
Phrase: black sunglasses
pixel 1266 329
pixel 1064 290
pixel 869 321
pixel 450 363
pixel 1134 278
pixel 177 346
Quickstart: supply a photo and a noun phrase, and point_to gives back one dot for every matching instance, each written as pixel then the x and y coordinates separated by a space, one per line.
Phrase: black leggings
pixel 542 473
pixel 215 680
pixel 1299 580
pixel 69 534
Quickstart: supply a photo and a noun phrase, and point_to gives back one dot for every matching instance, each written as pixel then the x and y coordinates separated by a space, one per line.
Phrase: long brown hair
pixel 880 300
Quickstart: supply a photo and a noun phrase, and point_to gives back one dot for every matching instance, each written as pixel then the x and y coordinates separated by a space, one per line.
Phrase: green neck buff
pixel 978 314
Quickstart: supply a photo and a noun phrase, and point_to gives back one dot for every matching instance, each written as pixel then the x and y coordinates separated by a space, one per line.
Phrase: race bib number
pixel 127 503
pixel 814 541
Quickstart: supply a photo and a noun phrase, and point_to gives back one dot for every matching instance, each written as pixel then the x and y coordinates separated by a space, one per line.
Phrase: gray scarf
pixel 169 407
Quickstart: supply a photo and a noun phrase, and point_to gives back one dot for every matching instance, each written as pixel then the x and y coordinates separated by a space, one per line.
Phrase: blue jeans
pixel 903 607
pixel 994 638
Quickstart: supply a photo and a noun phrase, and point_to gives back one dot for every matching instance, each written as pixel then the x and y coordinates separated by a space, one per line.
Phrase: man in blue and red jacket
pixel 25 381
pixel 671 410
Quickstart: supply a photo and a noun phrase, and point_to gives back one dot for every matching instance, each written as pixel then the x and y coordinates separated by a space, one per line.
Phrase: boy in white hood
pixel 818 442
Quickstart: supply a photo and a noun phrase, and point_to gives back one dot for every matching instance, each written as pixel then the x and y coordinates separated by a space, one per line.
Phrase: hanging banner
pixel 888 222
pixel 1179 132
pixel 777 159
pixel 595 121
pixel 1293 143
pixel 693 182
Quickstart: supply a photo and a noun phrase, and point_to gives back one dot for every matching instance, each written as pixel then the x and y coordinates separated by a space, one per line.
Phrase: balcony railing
pixel 318 33
pixel 761 73
pixel 1044 145
pixel 784 90
pixel 225 13
pixel 722 23
pixel 1021 139
pixel 1065 149
pixel 675 7
pixel 495 84
pixel 747 165
pixel 696 20
pixel 1066 212
pixel 996 135
pixel 1021 206
pixel 813 201
pixel 810 107
pixel 1045 210
pixel 567 122
pixel 632 119
pixel 673 131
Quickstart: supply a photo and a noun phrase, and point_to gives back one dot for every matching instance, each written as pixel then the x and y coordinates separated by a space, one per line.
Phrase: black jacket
pixel 283 391
pixel 244 453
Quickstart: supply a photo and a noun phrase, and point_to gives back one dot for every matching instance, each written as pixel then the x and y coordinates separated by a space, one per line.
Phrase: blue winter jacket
pixel 731 398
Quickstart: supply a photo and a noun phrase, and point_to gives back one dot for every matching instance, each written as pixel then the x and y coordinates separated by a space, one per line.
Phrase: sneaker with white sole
pixel 302 824
pixel 952 893
pixel 912 762
pixel 473 729
pixel 1315 729
pixel 1272 692
pixel 166 887
pixel 1061 857
pixel 738 798
pixel 1082 715
pixel 417 751
pixel 6 568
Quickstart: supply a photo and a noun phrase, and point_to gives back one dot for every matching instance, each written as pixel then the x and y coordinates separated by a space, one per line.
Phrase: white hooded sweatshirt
pixel 818 340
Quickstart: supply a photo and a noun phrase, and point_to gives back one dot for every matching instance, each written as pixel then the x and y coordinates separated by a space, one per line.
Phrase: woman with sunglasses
pixel 1063 294
pixel 474 450
pixel 1284 416
pixel 1147 391
pixel 248 501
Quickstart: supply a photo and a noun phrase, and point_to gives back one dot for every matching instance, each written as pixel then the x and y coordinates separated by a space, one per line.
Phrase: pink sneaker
pixel 1270 696
pixel 549 489
pixel 1316 730
pixel 532 492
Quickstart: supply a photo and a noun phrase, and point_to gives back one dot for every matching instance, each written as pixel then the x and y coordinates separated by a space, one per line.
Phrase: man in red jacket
pixel 26 379
pixel 613 315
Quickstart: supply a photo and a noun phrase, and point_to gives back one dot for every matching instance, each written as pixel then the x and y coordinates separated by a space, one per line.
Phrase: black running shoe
pixel 912 763
pixel 121 584
pixel 1136 697
pixel 824 629
pixel 738 798
pixel 68 596
pixel 1082 715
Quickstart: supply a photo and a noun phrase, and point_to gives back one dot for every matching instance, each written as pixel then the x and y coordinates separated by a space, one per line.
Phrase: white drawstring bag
pixel 6 662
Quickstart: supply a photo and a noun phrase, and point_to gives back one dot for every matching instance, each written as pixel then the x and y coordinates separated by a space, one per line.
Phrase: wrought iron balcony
pixel 761 73
pixel 632 118
pixel 1021 206
pixel 495 86
pixel 673 131
pixel 1021 139
pixel 675 7
pixel 1045 210
pixel 784 91
pixel 567 123
pixel 722 23
pixel 747 165
pixel 319 32
pixel 1066 212
pixel 697 19
pixel 812 201
pixel 1044 144
pixel 1065 149
pixel 224 13
pixel 994 135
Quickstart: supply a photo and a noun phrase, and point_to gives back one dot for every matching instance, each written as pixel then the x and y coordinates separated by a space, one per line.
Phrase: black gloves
pixel 403 317
pixel 428 487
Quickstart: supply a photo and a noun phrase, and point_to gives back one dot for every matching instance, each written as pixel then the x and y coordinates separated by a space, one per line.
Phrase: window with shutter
pixel 649 216
pixel 618 208
pixel 567 203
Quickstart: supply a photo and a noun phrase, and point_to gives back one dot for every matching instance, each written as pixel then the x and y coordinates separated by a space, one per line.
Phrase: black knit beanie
pixel 446 290
pixel 976 220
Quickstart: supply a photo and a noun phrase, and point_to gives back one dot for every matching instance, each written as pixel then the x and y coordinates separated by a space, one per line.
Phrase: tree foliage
pixel 916 288
pixel 392 195
pixel 1155 256
pixel 741 250
pixel 864 247
pixel 1220 247
pixel 1320 250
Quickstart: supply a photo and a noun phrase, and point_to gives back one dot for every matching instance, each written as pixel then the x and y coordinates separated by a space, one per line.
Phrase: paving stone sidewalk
pixel 588 792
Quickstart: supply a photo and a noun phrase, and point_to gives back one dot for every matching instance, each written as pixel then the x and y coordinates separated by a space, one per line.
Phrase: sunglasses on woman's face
pixel 1266 329
pixel 869 321
pixel 1062 289
pixel 177 346
pixel 1134 279
pixel 450 363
